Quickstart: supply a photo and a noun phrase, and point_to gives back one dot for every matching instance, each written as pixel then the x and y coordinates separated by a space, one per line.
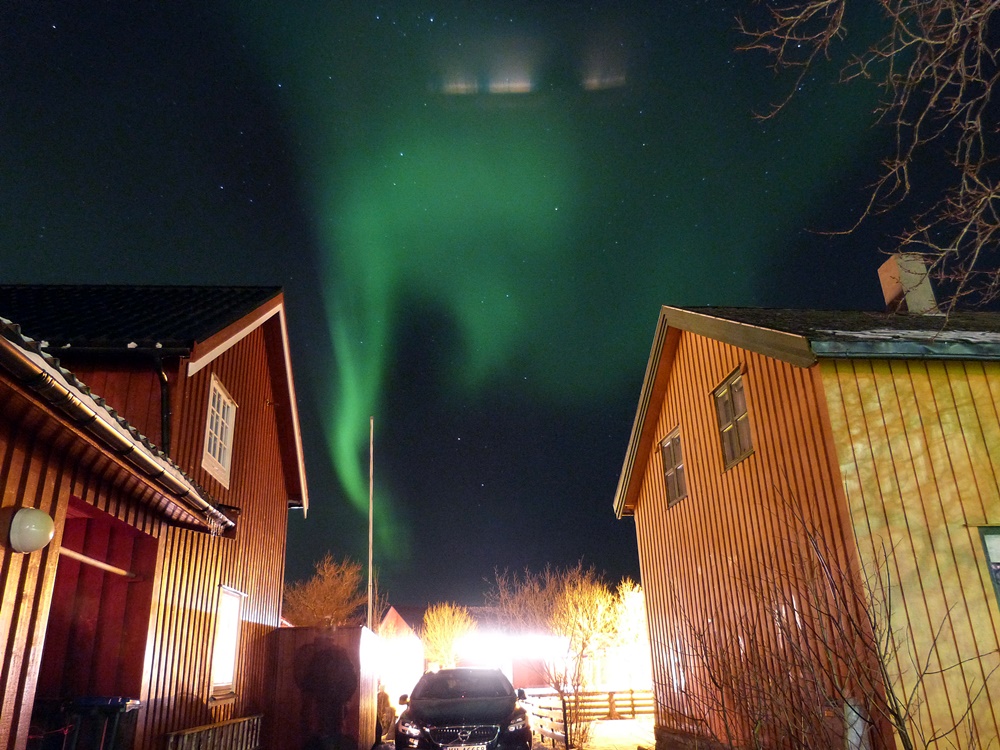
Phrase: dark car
pixel 472 709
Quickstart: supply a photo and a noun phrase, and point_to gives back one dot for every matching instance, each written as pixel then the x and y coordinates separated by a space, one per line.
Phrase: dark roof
pixel 127 317
pixel 799 335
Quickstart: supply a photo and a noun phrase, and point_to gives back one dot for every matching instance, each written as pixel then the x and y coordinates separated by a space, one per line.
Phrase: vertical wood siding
pixel 26 580
pixel 42 465
pixel 307 707
pixel 38 470
pixel 95 636
pixel 701 557
pixel 131 389
pixel 193 565
pixel 919 448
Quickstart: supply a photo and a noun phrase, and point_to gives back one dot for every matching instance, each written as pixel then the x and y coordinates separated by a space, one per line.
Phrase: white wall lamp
pixel 30 530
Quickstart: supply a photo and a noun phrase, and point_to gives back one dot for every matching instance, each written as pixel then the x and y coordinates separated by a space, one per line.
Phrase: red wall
pixel 45 461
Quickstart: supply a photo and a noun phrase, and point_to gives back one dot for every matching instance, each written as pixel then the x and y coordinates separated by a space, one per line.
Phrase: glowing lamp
pixel 30 530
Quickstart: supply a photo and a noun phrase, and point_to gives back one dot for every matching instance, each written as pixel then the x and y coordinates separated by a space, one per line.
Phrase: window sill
pixel 737 461
pixel 221 699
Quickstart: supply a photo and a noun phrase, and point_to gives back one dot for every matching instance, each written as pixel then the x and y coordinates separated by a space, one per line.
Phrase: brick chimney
pixel 906 285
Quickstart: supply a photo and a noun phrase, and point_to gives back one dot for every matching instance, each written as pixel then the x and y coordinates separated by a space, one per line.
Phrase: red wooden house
pixel 169 492
pixel 817 497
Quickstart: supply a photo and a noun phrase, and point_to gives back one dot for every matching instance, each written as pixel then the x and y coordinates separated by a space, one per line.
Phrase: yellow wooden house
pixel 817 504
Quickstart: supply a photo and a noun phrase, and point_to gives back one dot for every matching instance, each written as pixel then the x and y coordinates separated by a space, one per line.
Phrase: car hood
pixel 462 710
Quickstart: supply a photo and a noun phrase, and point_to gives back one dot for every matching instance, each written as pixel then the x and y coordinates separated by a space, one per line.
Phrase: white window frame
pixel 220 427
pixel 226 647
pixel 674 474
pixel 734 419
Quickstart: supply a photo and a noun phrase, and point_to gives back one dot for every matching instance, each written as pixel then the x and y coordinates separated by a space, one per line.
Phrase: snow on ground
pixel 617 734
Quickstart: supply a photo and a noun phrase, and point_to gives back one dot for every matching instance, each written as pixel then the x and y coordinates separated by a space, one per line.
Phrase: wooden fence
pixel 236 734
pixel 546 709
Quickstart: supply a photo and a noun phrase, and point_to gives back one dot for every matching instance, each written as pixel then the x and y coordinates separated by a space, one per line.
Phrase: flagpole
pixel 371 505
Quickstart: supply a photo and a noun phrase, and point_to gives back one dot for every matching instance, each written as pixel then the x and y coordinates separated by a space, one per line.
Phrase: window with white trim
pixel 991 545
pixel 219 423
pixel 227 642
pixel 673 467
pixel 734 421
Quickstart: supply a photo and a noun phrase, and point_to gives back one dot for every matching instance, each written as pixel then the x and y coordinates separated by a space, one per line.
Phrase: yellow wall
pixel 919 450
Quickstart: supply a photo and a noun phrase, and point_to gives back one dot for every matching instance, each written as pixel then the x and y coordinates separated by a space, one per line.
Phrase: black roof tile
pixel 127 317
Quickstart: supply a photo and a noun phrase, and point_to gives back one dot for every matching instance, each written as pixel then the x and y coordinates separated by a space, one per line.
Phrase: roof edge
pixel 624 502
pixel 788 347
pixel 205 352
pixel 302 500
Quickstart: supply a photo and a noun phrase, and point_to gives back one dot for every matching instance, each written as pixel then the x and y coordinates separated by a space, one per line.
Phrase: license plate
pixel 468 747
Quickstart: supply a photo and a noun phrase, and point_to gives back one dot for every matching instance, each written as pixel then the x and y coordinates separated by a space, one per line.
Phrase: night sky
pixel 475 210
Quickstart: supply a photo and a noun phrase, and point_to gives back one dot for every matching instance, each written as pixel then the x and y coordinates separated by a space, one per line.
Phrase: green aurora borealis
pixel 539 225
pixel 480 272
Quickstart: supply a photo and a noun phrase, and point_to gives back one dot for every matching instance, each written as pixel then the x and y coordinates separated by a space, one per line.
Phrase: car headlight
pixel 409 727
pixel 518 722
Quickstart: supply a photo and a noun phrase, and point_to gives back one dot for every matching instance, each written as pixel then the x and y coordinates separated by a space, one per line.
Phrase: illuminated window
pixel 219 424
pixel 227 642
pixel 734 423
pixel 673 467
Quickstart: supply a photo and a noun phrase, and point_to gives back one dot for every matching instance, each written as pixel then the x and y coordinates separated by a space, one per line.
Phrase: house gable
pixel 871 432
pixel 704 558
pixel 270 319
pixel 162 333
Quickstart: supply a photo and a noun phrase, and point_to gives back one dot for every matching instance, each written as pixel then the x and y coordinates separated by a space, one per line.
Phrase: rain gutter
pixel 911 349
pixel 22 357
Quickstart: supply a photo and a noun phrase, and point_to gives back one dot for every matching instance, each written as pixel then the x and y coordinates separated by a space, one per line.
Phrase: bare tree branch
pixel 937 64
pixel 814 641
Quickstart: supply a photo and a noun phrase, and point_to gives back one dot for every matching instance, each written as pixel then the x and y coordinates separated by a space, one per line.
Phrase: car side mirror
pixel 404 699
pixel 521 695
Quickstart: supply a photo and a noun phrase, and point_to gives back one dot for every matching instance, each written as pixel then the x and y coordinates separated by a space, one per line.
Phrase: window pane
pixel 739 397
pixel 724 408
pixel 673 472
pixel 729 447
pixel 227 630
pixel 743 428
pixel 991 539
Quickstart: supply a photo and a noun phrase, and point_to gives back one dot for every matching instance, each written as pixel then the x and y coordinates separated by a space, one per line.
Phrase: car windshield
pixel 445 685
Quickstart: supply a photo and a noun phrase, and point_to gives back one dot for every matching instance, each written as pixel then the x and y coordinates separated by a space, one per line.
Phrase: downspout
pixel 165 413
